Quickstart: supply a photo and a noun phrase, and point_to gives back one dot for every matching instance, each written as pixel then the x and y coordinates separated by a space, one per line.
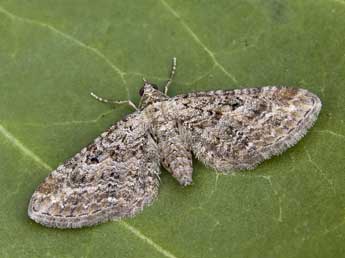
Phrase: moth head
pixel 150 93
pixel 147 88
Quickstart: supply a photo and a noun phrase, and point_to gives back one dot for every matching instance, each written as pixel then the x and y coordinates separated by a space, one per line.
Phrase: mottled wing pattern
pixel 114 177
pixel 234 130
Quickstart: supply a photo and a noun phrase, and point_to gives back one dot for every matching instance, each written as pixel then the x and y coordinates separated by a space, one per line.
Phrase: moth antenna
pixel 172 74
pixel 114 101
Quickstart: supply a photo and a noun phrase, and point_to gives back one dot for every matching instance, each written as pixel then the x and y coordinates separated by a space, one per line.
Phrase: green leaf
pixel 54 53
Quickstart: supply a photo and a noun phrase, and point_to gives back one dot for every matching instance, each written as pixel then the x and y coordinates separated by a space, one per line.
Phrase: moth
pixel 117 175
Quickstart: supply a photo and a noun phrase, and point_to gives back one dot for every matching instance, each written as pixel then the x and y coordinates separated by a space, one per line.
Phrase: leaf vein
pixel 11 138
pixel 320 170
pixel 331 133
pixel 72 39
pixel 198 40
pixel 146 239
pixel 67 123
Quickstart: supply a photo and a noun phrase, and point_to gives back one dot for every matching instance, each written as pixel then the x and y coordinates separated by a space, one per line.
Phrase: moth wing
pixel 235 130
pixel 114 177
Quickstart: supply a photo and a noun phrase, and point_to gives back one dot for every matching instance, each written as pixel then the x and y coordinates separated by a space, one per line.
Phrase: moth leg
pixel 114 101
pixel 172 74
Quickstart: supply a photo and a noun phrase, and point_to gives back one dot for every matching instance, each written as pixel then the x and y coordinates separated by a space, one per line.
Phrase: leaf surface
pixel 54 53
